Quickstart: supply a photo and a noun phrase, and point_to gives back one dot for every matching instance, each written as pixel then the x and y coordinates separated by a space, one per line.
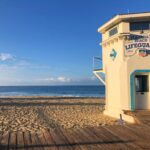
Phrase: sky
pixel 52 42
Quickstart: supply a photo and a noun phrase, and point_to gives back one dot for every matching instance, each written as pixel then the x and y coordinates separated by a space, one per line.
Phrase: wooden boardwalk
pixel 109 138
pixel 142 116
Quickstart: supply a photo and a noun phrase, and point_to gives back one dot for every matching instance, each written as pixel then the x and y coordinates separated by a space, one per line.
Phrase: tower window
pixel 113 31
pixel 142 83
pixel 139 26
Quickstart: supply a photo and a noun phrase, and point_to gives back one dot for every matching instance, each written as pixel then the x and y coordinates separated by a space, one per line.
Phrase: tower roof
pixel 142 16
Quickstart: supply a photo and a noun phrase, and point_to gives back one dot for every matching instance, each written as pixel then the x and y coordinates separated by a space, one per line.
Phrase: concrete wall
pixel 113 74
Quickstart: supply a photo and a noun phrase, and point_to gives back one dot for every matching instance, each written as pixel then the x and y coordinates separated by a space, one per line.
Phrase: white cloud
pixel 48 79
pixel 93 78
pixel 56 79
pixel 67 80
pixel 63 79
pixel 6 68
pixel 6 56
pixel 20 71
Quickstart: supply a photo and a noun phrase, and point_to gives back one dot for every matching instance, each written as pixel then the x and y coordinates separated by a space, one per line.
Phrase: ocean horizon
pixel 59 90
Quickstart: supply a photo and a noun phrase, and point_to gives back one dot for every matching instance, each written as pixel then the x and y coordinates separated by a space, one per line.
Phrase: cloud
pixel 7 68
pixel 23 72
pixel 47 79
pixel 6 56
pixel 57 79
pixel 63 79
pixel 93 78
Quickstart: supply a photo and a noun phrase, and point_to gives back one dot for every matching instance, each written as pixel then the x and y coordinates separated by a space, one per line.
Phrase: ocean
pixel 65 91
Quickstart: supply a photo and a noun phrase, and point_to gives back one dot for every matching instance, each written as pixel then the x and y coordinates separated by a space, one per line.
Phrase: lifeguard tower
pixel 126 63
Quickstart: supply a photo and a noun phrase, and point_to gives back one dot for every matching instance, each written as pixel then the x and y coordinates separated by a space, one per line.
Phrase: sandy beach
pixel 39 113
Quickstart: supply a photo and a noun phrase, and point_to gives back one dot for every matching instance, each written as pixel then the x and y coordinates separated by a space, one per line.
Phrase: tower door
pixel 142 100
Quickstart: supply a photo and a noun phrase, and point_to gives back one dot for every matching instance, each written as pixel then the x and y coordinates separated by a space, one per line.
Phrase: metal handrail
pixel 98 70
pixel 96 60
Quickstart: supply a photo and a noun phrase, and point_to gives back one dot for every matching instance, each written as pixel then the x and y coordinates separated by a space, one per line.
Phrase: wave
pixel 60 91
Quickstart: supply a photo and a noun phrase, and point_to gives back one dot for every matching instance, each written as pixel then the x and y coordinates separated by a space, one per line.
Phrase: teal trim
pixel 131 92
pixel 132 107
pixel 113 54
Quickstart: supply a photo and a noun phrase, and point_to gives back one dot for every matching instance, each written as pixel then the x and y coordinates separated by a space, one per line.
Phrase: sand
pixel 40 113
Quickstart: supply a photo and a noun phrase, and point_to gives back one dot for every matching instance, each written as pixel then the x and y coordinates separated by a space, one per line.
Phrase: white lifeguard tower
pixel 126 63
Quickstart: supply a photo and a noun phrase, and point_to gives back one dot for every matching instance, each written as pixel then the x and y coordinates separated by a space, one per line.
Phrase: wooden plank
pixel 112 139
pixel 104 139
pixel 5 141
pixel 27 140
pixel 40 147
pixel 142 137
pixel 115 140
pixel 93 139
pixel 70 139
pixel 76 139
pixel 85 139
pixel 60 134
pixel 20 140
pixel 35 142
pixel 12 141
pixel 59 140
pixel 126 141
pixel 1 136
pixel 43 141
pixel 143 131
pixel 50 142
pixel 125 135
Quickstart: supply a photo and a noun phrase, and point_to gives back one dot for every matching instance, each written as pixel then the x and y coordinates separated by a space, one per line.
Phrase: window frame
pixel 138 22
pixel 143 87
pixel 116 27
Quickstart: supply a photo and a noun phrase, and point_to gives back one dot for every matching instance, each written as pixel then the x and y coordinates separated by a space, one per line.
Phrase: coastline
pixel 45 96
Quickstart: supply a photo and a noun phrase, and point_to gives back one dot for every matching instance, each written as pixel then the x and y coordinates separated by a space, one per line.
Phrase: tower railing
pixel 97 63
pixel 97 68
